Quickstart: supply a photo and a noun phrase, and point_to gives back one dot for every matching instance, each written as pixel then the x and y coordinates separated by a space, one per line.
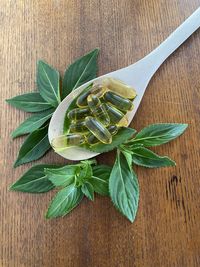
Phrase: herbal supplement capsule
pixel 78 127
pixel 98 130
pixel 82 100
pixel 63 141
pixel 119 88
pixel 118 101
pixel 98 109
pixel 78 113
pixel 91 139
pixel 113 129
pixel 123 122
pixel 98 90
pixel 114 114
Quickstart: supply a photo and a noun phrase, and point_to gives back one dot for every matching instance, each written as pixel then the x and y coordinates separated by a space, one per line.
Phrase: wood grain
pixel 166 231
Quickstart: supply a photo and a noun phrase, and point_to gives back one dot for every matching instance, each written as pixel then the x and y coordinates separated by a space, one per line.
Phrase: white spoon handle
pixel 175 39
pixel 150 63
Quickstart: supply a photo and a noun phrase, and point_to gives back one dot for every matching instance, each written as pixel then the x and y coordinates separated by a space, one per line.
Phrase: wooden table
pixel 166 231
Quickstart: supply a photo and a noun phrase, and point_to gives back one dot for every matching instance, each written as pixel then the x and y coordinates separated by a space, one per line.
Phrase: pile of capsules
pixel 100 112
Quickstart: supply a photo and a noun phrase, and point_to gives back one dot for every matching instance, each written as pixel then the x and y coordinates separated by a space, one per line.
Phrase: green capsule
pixel 98 109
pixel 98 130
pixel 118 101
pixel 114 114
pixel 64 141
pixel 113 129
pixel 119 88
pixel 82 100
pixel 91 139
pixel 78 113
pixel 78 127
pixel 98 90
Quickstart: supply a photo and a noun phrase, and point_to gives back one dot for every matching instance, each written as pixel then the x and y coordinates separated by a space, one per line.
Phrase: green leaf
pixel 33 123
pixel 144 157
pixel 64 201
pixel 100 177
pixel 63 176
pixel 123 135
pixel 48 82
pixel 81 71
pixel 34 147
pixel 88 190
pixel 124 188
pixel 86 171
pixel 34 180
pixel 31 102
pixel 128 157
pixel 158 134
pixel 72 105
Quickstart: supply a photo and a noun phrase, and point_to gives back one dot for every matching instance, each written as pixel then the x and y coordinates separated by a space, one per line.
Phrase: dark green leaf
pixel 72 105
pixel 34 180
pixel 122 135
pixel 64 201
pixel 100 177
pixel 144 157
pixel 88 190
pixel 124 188
pixel 34 147
pixel 48 82
pixel 158 134
pixel 63 176
pixel 31 102
pixel 81 71
pixel 33 123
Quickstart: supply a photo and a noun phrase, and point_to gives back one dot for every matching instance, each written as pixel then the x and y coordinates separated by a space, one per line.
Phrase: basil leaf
pixel 100 177
pixel 88 190
pixel 128 157
pixel 72 105
pixel 64 201
pixel 34 147
pixel 33 123
pixel 48 82
pixel 123 135
pixel 124 188
pixel 86 171
pixel 63 176
pixel 34 180
pixel 81 71
pixel 31 102
pixel 144 157
pixel 158 134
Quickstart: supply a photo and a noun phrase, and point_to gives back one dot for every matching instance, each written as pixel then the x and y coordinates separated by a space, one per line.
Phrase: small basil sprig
pixel 45 100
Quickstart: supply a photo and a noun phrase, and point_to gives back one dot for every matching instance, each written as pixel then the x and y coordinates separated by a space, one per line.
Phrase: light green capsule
pixel 64 141
pixel 113 129
pixel 118 101
pixel 98 130
pixel 78 113
pixel 82 100
pixel 91 139
pixel 78 127
pixel 114 114
pixel 98 90
pixel 119 88
pixel 98 109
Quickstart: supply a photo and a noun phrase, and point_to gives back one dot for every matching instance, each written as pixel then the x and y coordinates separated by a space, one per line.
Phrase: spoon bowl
pixel 136 75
